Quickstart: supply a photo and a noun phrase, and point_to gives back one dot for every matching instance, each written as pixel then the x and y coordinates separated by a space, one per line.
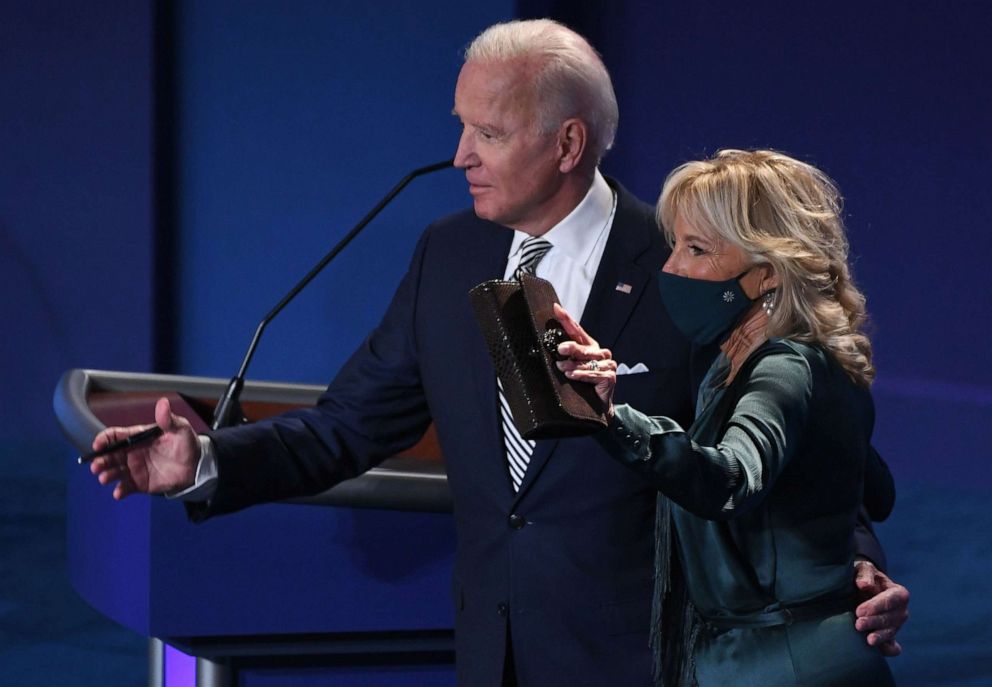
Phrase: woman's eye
pixel 695 250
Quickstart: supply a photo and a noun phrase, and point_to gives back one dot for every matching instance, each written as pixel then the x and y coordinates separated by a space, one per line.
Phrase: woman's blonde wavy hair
pixel 786 213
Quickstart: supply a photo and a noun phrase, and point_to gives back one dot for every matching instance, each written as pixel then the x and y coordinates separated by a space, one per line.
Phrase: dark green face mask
pixel 703 310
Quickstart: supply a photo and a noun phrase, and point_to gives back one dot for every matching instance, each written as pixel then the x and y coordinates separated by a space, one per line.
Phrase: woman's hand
pixel 587 361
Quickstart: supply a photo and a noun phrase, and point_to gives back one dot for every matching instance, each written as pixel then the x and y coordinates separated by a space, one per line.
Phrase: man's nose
pixel 465 154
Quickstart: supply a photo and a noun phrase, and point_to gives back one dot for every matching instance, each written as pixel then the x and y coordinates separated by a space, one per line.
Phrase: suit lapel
pixel 625 262
pixel 622 275
pixel 493 247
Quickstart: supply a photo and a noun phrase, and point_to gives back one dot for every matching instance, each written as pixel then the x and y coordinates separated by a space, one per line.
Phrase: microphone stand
pixel 228 411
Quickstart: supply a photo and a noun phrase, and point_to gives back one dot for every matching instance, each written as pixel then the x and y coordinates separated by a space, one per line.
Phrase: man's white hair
pixel 572 80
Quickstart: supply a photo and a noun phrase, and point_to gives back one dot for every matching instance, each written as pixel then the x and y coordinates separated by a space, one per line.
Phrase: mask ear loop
pixel 761 293
pixel 738 280
pixel 767 298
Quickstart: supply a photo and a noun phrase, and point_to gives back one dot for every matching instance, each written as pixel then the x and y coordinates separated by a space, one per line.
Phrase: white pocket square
pixel 637 369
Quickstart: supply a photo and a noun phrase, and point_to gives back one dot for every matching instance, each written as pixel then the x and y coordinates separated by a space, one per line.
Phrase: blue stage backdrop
pixel 292 120
pixel 293 125
pixel 76 255
pixel 75 199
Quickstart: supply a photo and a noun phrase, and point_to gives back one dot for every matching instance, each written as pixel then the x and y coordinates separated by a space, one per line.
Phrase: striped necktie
pixel 518 449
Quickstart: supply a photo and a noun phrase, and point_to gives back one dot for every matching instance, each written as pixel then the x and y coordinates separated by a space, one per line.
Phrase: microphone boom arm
pixel 228 411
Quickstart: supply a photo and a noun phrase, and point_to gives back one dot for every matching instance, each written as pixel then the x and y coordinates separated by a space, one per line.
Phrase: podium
pixel 349 587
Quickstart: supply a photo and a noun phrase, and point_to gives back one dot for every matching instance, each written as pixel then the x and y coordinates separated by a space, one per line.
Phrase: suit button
pixel 502 609
pixel 517 521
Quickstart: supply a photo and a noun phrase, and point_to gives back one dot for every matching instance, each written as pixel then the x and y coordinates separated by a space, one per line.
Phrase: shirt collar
pixel 577 234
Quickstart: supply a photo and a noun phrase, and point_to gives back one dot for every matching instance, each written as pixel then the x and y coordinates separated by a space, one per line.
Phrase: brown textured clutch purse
pixel 517 320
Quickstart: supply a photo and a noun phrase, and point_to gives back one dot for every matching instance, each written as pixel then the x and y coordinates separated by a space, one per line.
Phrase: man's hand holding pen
pixel 160 464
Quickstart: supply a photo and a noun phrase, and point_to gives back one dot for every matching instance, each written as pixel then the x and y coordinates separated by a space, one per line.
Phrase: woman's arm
pixel 754 447
pixel 750 451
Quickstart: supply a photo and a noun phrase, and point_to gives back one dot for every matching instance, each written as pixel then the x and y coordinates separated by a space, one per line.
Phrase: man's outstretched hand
pixel 164 465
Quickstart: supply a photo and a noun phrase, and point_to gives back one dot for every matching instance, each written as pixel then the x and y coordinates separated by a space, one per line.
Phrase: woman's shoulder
pixel 778 346
pixel 780 351
pixel 787 363
pixel 801 360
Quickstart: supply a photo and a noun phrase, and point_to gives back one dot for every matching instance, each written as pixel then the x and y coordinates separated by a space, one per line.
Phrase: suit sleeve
pixel 866 543
pixel 879 499
pixel 374 408
pixel 880 488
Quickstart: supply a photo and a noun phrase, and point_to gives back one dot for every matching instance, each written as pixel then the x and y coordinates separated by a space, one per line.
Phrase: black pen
pixel 142 437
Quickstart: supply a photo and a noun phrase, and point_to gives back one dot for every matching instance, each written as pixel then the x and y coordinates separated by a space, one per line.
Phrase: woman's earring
pixel 768 302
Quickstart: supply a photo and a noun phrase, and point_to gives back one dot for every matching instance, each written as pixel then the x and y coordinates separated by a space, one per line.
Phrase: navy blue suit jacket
pixel 575 582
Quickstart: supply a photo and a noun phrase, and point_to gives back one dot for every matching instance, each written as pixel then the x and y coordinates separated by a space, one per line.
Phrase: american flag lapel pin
pixel 623 287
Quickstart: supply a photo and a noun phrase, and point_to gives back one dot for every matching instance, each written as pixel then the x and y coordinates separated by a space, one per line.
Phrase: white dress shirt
pixel 577 244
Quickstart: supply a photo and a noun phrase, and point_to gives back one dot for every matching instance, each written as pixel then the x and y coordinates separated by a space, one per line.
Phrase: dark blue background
pixel 152 210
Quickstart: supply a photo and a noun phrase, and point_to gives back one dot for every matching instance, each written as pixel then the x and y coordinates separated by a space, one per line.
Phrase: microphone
pixel 228 411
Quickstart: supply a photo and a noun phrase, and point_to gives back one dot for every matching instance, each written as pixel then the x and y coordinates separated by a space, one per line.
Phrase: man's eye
pixel 486 135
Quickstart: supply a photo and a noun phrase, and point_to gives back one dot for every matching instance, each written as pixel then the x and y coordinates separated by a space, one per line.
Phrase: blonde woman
pixel 763 489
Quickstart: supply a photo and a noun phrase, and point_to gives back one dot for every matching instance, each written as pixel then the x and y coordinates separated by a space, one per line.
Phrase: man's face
pixel 512 169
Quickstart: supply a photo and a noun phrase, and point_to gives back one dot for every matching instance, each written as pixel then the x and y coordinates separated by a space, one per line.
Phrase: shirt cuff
pixel 205 484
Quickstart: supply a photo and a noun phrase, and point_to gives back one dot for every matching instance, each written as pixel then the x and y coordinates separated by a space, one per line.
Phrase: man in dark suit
pixel 553 577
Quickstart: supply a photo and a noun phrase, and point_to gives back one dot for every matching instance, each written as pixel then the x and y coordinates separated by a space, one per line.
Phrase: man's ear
pixel 573 138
